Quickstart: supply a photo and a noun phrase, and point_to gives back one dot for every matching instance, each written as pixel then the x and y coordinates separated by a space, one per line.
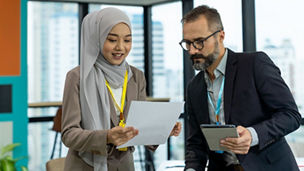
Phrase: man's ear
pixel 221 36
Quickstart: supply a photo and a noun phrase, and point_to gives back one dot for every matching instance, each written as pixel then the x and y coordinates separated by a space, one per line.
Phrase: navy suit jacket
pixel 255 95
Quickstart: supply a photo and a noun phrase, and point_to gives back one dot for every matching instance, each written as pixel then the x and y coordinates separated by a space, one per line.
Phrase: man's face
pixel 196 30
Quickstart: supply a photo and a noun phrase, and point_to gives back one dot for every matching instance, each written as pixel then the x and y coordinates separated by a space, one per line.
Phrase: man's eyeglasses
pixel 197 44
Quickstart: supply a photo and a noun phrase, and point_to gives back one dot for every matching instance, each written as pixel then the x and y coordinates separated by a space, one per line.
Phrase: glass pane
pixel 178 145
pixel 52 49
pixel 231 15
pixel 136 56
pixel 167 67
pixel 41 140
pixel 167 56
pixel 283 42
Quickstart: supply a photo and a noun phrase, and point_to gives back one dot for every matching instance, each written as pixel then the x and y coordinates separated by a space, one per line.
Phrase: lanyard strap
pixel 219 101
pixel 123 97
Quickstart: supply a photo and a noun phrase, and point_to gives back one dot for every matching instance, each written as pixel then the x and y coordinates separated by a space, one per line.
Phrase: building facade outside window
pixel 280 35
pixel 231 15
pixel 167 68
pixel 52 51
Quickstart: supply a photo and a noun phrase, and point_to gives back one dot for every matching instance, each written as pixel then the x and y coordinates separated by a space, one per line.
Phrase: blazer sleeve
pixel 73 136
pixel 277 101
pixel 196 146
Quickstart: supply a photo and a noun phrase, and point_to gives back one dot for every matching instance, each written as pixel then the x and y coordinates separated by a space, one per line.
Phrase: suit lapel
pixel 131 95
pixel 200 99
pixel 229 81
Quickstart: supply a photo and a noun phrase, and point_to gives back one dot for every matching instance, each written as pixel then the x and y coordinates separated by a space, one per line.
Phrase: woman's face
pixel 118 44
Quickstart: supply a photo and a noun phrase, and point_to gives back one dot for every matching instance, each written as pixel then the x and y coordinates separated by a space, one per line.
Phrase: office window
pixel 280 34
pixel 231 15
pixel 52 52
pixel 167 67
pixel 136 55
pixel 52 49
pixel 167 56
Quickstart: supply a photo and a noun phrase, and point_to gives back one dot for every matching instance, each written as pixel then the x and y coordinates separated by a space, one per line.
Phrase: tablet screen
pixel 214 133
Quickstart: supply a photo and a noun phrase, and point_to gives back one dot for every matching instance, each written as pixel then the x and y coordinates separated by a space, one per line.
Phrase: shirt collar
pixel 220 69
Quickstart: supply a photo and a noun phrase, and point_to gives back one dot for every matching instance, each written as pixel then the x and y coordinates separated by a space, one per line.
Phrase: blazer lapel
pixel 229 81
pixel 200 98
pixel 131 95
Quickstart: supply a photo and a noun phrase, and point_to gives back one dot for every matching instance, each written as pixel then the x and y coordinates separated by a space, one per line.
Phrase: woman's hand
pixel 176 129
pixel 119 135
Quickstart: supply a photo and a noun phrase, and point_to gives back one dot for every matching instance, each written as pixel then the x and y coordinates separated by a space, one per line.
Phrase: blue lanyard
pixel 219 101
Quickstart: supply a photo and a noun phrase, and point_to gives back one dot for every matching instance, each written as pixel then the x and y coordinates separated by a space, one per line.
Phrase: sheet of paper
pixel 154 120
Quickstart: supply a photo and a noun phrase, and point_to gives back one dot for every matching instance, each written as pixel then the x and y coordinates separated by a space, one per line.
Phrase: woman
pixel 98 94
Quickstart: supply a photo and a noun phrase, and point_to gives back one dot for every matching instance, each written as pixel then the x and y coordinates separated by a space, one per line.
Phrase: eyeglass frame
pixel 199 40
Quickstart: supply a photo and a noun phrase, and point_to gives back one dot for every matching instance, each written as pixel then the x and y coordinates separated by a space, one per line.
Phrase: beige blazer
pixel 78 139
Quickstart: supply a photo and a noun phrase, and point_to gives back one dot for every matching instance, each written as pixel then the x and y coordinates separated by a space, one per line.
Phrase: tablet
pixel 214 133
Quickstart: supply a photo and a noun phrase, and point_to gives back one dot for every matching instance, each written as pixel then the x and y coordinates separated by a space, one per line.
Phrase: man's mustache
pixel 197 56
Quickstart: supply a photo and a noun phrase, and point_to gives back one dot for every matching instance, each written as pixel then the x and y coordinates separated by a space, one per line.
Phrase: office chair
pixel 55 164
pixel 57 129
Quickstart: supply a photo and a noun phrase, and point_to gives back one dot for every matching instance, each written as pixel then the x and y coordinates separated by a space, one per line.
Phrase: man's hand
pixel 176 129
pixel 239 145
pixel 119 135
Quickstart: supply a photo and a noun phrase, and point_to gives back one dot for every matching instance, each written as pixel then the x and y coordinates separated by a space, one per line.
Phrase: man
pixel 243 89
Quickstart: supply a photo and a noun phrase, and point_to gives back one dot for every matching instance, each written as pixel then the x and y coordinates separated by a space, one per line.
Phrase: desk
pixel 300 161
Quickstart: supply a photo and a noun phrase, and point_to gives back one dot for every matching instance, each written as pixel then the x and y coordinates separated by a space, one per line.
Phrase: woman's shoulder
pixel 73 75
pixel 135 70
pixel 75 72
pixel 138 74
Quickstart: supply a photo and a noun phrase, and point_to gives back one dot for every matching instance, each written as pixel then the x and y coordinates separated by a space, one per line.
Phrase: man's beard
pixel 208 60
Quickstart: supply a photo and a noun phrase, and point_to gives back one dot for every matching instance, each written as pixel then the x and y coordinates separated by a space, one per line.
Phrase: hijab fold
pixel 94 69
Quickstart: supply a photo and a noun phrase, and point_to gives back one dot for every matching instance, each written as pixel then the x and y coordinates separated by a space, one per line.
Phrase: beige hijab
pixel 94 69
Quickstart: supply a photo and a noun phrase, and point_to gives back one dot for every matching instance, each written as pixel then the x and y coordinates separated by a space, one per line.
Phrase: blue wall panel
pixel 19 93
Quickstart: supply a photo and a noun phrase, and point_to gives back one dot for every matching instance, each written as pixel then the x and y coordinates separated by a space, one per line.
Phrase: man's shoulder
pixel 244 55
pixel 248 57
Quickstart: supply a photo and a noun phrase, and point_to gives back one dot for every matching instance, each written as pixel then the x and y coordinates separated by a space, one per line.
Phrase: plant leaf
pixel 8 165
pixel 7 157
pixel 23 168
pixel 8 148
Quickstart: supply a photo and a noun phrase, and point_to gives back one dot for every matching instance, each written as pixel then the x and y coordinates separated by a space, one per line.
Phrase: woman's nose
pixel 119 45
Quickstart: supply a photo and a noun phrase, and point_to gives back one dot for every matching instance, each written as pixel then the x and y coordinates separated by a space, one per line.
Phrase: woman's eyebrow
pixel 116 35
pixel 128 35
pixel 112 34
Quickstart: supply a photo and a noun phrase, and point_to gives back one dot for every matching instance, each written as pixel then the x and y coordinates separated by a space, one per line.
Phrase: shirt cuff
pixel 254 135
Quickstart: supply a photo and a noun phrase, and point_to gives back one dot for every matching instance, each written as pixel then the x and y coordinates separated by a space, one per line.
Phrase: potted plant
pixel 7 163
